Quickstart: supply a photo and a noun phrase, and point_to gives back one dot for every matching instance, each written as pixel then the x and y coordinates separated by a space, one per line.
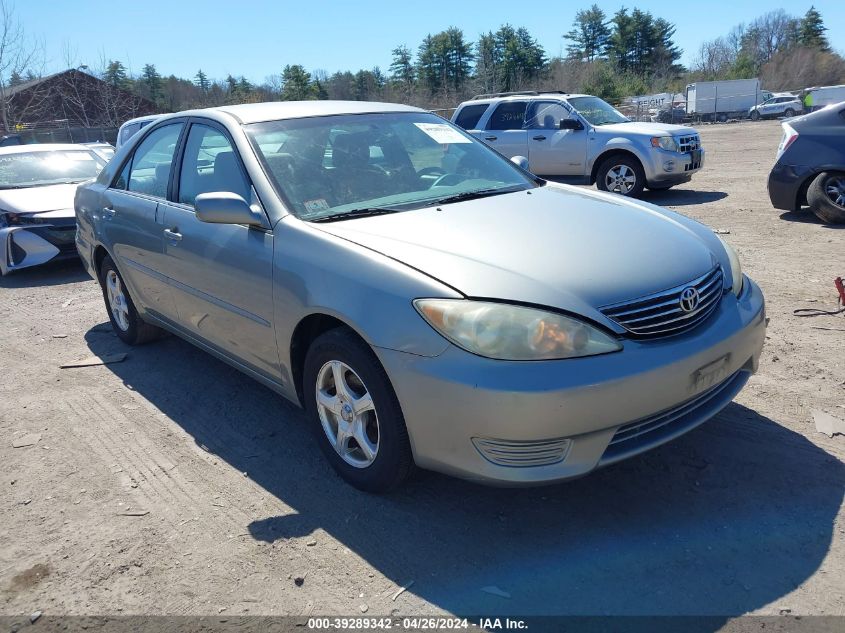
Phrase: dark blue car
pixel 810 166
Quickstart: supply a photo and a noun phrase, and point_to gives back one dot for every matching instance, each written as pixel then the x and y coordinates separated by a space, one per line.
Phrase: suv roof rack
pixel 521 93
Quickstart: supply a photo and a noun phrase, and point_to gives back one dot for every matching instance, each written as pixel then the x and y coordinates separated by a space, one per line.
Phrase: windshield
pixel 346 164
pixel 596 111
pixel 40 168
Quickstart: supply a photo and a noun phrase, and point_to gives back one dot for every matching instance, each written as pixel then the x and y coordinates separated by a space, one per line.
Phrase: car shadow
pixel 66 271
pixel 806 216
pixel 722 521
pixel 681 197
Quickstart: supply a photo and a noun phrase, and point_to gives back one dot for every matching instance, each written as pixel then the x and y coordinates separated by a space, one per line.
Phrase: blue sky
pixel 257 38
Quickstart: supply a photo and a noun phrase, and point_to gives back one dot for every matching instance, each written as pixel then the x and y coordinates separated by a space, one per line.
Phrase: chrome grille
pixel 662 314
pixel 522 454
pixel 688 143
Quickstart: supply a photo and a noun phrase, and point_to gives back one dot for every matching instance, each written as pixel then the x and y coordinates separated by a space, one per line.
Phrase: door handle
pixel 108 213
pixel 490 138
pixel 539 137
pixel 172 235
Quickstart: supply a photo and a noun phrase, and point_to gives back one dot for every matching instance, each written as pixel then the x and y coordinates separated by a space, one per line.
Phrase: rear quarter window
pixel 470 115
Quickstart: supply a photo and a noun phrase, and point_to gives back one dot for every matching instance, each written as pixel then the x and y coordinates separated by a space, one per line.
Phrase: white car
pixel 777 106
pixel 131 127
pixel 37 186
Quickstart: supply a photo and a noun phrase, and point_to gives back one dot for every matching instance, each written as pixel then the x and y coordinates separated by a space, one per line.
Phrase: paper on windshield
pixel 443 133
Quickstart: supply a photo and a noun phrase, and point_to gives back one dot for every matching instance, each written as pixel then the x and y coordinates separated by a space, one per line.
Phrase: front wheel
pixel 755 116
pixel 789 112
pixel 621 174
pixel 354 412
pixel 826 196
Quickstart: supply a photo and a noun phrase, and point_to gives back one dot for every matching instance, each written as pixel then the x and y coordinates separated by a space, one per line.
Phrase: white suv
pixel 777 106
pixel 584 140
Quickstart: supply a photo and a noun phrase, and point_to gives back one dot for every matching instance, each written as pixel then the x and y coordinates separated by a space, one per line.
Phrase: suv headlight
pixel 665 142
pixel 736 267
pixel 509 332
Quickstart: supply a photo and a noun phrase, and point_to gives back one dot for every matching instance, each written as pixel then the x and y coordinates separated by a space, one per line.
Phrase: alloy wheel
pixel 620 179
pixel 117 300
pixel 835 190
pixel 347 414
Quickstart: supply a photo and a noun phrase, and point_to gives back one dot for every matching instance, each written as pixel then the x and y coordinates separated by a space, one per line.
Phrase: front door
pixel 222 274
pixel 131 218
pixel 552 151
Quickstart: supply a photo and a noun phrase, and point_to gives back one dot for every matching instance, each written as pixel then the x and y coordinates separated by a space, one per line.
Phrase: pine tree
pixel 201 81
pixel 589 35
pixel 811 30
pixel 116 74
pixel 296 83
pixel 152 80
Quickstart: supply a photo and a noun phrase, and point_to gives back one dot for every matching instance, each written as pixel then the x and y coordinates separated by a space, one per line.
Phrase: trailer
pixel 723 100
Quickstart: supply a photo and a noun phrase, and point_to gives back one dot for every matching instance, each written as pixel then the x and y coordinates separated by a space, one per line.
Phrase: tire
pixel 127 324
pixel 755 116
pixel 826 197
pixel 622 165
pixel 387 462
pixel 789 112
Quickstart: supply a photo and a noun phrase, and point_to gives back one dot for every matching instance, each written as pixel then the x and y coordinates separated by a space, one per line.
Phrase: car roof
pixel 273 111
pixel 43 147
pixel 523 97
pixel 141 119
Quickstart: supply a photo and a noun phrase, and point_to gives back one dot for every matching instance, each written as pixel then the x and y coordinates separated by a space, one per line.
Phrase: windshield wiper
pixel 480 193
pixel 364 212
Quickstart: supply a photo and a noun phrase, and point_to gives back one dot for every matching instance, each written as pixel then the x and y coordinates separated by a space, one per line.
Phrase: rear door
pixel 552 151
pixel 222 273
pixel 505 129
pixel 130 217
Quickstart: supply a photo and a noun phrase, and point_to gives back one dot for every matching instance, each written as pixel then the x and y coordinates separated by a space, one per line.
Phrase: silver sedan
pixel 425 300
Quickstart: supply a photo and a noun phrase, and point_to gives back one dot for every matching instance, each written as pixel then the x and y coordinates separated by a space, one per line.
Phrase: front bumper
pixel 672 168
pixel 457 402
pixel 784 184
pixel 25 246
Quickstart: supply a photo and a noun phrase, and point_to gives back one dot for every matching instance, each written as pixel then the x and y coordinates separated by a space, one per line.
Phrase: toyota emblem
pixel 689 299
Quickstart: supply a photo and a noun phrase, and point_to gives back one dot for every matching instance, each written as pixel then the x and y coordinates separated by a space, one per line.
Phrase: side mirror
pixel 520 161
pixel 571 124
pixel 223 207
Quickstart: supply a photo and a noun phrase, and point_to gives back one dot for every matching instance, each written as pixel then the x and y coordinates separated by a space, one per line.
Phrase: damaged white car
pixel 37 185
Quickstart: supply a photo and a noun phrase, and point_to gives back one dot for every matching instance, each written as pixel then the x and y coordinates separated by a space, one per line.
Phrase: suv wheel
pixel 125 321
pixel 621 174
pixel 826 196
pixel 789 112
pixel 755 116
pixel 354 412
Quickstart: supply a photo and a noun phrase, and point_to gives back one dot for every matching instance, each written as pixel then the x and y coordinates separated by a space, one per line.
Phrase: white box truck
pixel 819 97
pixel 723 100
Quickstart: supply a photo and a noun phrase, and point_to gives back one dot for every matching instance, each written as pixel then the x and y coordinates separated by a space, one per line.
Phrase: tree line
pixel 614 55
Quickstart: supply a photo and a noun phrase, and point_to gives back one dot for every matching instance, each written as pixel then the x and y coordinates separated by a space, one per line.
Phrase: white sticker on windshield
pixel 443 133
pixel 319 204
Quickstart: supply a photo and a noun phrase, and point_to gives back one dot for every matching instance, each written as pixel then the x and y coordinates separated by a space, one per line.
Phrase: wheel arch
pixel 304 334
pixel 609 153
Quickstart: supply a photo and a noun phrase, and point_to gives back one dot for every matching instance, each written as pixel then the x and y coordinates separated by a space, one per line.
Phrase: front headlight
pixel 665 142
pixel 736 267
pixel 509 332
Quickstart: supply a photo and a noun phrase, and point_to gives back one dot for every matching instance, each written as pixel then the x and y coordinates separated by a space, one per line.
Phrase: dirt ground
pixel 172 484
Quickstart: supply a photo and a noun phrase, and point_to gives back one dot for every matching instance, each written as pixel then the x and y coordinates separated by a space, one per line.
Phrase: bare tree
pixel 18 54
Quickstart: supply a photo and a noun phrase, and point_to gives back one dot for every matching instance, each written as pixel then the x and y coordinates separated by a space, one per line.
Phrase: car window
pixel 509 115
pixel 469 115
pixel 330 165
pixel 151 163
pixel 210 164
pixel 545 115
pixel 129 131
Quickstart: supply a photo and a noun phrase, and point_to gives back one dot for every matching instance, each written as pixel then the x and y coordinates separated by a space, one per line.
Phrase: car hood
pixel 649 129
pixel 39 199
pixel 556 246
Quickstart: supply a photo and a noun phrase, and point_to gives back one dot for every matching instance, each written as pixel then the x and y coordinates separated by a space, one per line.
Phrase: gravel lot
pixel 172 484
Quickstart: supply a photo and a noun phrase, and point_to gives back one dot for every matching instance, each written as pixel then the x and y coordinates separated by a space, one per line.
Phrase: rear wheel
pixel 621 174
pixel 826 196
pixel 127 324
pixel 354 412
